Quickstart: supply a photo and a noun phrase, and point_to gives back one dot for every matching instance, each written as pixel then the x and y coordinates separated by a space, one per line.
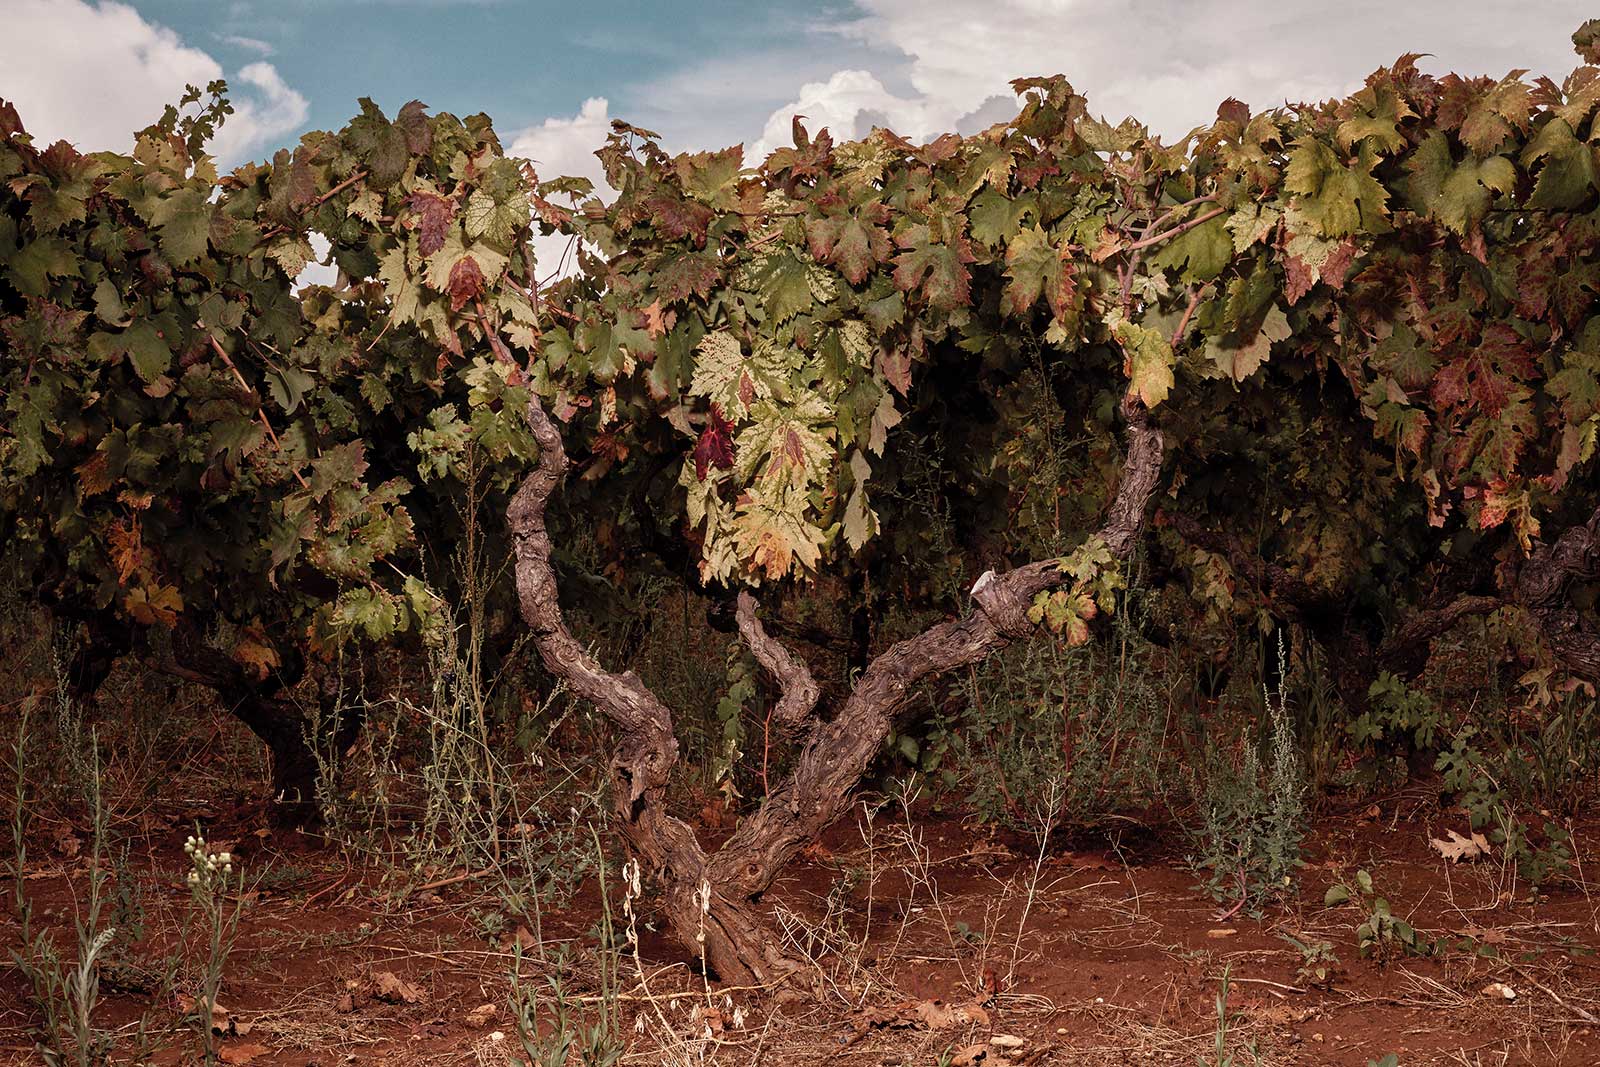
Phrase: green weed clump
pixel 1252 811
pixel 1042 719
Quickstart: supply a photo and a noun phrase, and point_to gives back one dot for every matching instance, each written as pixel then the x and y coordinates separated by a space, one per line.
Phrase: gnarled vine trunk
pixel 739 945
pixel 1546 584
pixel 281 723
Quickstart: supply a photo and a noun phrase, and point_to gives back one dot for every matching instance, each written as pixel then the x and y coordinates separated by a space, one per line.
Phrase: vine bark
pixel 739 947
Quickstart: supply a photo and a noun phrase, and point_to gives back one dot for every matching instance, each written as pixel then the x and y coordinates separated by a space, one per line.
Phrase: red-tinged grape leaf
pixel 894 361
pixel 935 269
pixel 677 218
pixel 849 243
pixel 434 216
pixel 10 121
pixel 686 274
pixel 1484 113
pixel 1036 267
pixel 1235 111
pixel 715 445
pixel 1586 41
pixel 466 283
pixel 381 145
pixel 414 123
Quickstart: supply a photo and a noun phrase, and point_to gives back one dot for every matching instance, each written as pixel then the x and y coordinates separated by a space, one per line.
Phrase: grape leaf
pixel 1147 361
pixel 1338 199
pixel 183 218
pixel 715 445
pixel 939 270
pixel 1034 268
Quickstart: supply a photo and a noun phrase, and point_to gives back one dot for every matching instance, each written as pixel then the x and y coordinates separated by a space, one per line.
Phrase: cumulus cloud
pixel 259 117
pixel 94 74
pixel 1166 62
pixel 565 146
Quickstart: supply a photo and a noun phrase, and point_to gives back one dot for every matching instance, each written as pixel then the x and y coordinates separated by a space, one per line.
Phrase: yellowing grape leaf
pixel 151 606
pixel 255 653
pixel 1239 359
pixel 1147 361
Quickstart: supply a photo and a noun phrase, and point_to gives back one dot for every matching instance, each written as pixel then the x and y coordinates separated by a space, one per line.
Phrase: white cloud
pixel 1166 62
pixel 249 44
pixel 95 74
pixel 565 147
pixel 318 271
pixel 848 104
pixel 258 118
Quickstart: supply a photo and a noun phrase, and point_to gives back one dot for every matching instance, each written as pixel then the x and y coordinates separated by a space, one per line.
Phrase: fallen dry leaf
pixel 969 1056
pixel 1223 931
pixel 481 1015
pixel 934 1014
pixel 243 1053
pixel 221 1020
pixel 523 937
pixel 937 1015
pixel 715 816
pixel 1459 848
pixel 816 852
pixel 391 989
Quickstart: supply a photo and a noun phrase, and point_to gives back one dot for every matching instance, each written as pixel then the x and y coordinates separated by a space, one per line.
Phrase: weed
pixel 488 923
pixel 1221 1056
pixel 1253 818
pixel 1399 721
pixel 1474 777
pixel 551 1028
pixel 1086 722
pixel 1381 934
pixel 1318 962
pixel 66 995
pixel 1047 814
pixel 211 878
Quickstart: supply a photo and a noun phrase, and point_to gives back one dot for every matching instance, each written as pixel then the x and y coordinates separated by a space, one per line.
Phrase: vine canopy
pixel 192 436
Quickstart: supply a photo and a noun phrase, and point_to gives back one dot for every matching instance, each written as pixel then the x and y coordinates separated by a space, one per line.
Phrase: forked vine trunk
pixel 739 946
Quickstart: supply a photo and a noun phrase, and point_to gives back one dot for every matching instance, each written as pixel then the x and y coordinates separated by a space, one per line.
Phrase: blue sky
pixel 718 72
pixel 521 61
